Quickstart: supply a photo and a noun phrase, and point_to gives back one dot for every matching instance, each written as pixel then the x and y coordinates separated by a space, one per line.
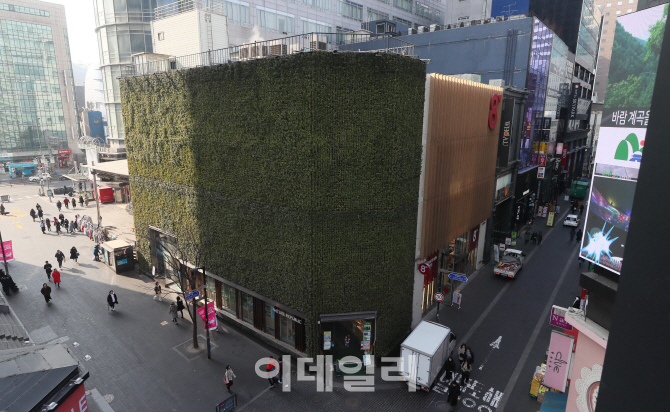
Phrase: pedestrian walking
pixel 96 252
pixel 74 203
pixel 60 257
pixel 86 201
pixel 461 353
pixel 228 378
pixel 74 254
pixel 157 292
pixel 112 300
pixel 180 306
pixel 38 207
pixel 453 393
pixel 66 202
pixel 33 214
pixel 558 209
pixel 8 284
pixel 572 234
pixel 46 291
pixel 40 213
pixel 73 224
pixel 48 223
pixel 533 237
pixel 466 368
pixel 539 237
pixel 449 368
pixel 47 268
pixel 61 218
pixel 526 236
pixel 2 210
pixel 579 235
pixel 269 368
pixel 581 260
pixel 173 311
pixel 469 356
pixel 581 209
pixel 66 224
pixel 42 226
pixel 81 201
pixel 56 276
pixel 59 205
pixel 57 224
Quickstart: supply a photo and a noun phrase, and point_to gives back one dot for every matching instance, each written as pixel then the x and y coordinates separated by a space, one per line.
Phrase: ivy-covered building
pixel 302 179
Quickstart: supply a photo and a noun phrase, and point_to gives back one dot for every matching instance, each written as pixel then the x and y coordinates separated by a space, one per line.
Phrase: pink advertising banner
pixel 9 253
pixel 558 318
pixel 558 361
pixel 212 315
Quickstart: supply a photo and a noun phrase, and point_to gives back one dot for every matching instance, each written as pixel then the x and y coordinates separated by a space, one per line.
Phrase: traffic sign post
pixel 439 298
pixel 458 276
pixel 192 294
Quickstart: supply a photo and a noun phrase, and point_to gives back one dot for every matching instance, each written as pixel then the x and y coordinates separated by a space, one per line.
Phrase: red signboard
pixel 493 110
pixel 543 160
pixel 64 152
pixel 427 269
pixel 9 253
pixel 565 154
pixel 76 402
pixel 211 314
pixel 105 194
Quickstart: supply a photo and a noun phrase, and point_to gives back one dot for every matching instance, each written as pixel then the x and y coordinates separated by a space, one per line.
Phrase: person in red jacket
pixel 56 277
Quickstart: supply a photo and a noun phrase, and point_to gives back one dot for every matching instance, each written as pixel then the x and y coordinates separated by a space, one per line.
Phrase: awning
pixel 338 317
pixel 117 167
pixel 78 177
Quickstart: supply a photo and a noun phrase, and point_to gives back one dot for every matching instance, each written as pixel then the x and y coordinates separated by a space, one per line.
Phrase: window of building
pixel 608 5
pixel 25 10
pixel 376 15
pixel 228 298
pixel 619 3
pixel 269 319
pixel 422 10
pixel 618 12
pixel 402 21
pixel 602 49
pixel 275 20
pixel 247 307
pixel 350 10
pixel 631 1
pixel 403 4
pixel 341 36
pixel 161 35
pixel 313 26
pixel 604 31
pixel 604 40
pixel 607 22
pixel 462 18
pixel 385 1
pixel 238 12
pixel 287 330
pixel 629 10
pixel 318 4
pixel 607 14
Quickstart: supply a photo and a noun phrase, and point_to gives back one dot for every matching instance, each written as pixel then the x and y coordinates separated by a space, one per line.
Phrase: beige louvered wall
pixel 460 161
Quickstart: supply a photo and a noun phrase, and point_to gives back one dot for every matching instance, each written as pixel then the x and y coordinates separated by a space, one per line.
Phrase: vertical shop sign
pixel 9 252
pixel 558 360
pixel 211 314
pixel 574 101
pixel 474 239
pixel 327 340
pixel 505 132
pixel 543 160
pixel 563 157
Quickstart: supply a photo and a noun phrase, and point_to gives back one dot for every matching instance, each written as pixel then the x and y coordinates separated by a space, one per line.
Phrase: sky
pixel 81 30
pixel 638 24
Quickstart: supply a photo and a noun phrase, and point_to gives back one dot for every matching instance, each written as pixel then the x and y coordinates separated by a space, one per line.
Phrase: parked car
pixel 510 264
pixel 37 178
pixel 571 220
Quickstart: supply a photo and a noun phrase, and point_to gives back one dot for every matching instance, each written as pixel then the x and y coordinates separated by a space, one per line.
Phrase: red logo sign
pixel 65 152
pixel 565 155
pixel 439 297
pixel 474 240
pixel 543 160
pixel 75 402
pixel 493 112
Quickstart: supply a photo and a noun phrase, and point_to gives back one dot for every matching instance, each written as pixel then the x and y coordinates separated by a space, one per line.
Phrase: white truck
pixel 424 352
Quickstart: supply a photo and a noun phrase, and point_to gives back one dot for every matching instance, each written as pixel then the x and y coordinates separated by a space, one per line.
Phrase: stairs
pixel 11 334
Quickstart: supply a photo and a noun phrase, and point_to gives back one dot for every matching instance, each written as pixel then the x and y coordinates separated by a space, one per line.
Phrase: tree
pixel 185 252
pixel 655 39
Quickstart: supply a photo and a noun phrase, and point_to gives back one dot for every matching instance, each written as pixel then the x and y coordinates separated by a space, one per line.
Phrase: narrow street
pixel 138 343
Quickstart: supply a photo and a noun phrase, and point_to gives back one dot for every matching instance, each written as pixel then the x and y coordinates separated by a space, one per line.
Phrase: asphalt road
pixel 137 360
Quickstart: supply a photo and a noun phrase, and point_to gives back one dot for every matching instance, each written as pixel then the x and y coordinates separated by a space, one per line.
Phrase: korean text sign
pixel 212 315
pixel 558 360
pixel 9 253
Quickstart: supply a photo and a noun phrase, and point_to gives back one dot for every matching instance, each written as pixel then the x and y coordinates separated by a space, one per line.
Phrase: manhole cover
pixel 316 399
pixel 352 402
pixel 108 398
pixel 441 406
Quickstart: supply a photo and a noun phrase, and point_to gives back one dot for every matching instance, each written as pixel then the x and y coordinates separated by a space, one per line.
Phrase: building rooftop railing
pixel 183 6
pixel 148 63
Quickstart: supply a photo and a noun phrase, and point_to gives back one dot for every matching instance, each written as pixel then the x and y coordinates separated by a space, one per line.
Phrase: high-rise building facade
pixel 123 28
pixel 37 94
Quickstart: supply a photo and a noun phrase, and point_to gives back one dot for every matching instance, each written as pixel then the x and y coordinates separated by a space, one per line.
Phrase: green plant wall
pixel 300 174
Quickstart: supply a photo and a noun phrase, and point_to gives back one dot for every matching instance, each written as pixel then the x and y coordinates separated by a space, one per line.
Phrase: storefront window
pixel 211 289
pixel 247 307
pixel 228 298
pixel 348 337
pixel 269 319
pixel 163 256
pixel 287 330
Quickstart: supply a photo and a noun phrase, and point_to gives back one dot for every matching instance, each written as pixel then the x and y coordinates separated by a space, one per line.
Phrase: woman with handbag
pixel 74 254
pixel 228 378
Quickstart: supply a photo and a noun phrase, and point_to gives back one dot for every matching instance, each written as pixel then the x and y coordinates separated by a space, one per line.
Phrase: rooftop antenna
pixel 509 9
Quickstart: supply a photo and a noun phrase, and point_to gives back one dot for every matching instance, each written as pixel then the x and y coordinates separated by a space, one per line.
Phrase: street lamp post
pixel 194 271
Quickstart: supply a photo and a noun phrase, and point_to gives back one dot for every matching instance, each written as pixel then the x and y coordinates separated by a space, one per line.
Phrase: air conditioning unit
pixel 253 51
pixel 435 27
pixel 489 20
pixel 318 45
pixel 497 82
pixel 278 50
pixel 500 18
pixel 423 29
pixel 475 22
pixel 465 24
pixel 411 31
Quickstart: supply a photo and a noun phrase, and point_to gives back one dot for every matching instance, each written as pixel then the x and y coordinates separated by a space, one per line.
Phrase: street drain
pixel 317 399
pixel 353 402
pixel 441 406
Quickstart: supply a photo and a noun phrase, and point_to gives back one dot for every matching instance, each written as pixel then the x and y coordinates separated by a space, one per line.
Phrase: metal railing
pixel 302 43
pixel 183 6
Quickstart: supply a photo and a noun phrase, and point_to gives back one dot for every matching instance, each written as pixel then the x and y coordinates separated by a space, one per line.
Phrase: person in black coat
pixel 46 292
pixel 579 235
pixel 533 237
pixel 572 233
pixel 539 237
pixel 33 214
pixel 40 214
pixel 74 254
pixel 60 257
pixel 112 299
pixel 526 237
pixel 453 393
pixel 449 368
pixel 7 283
pixel 180 306
pixel 47 268
pixel 469 356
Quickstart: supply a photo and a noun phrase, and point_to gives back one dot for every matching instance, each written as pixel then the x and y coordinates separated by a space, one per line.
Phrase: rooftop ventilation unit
pixel 475 22
pixel 435 27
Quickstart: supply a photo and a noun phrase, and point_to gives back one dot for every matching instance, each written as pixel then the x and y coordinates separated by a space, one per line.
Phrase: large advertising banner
pixel 607 221
pixel 637 43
